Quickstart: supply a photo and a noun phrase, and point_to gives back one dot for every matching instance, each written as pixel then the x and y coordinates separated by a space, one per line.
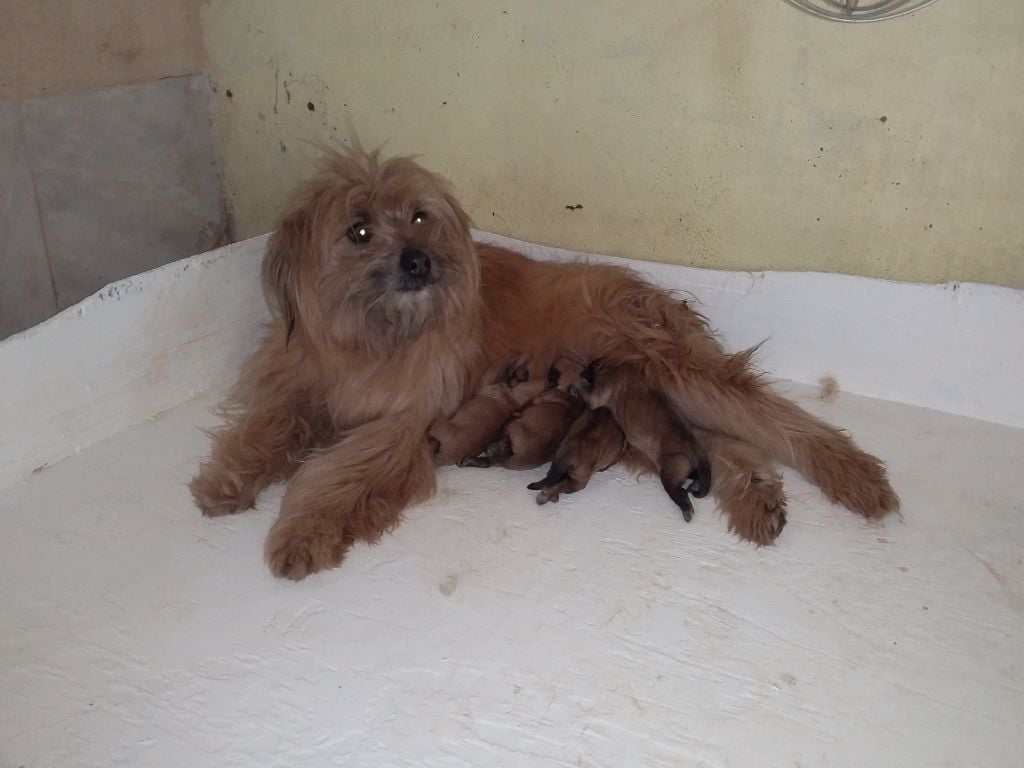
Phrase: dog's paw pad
pixel 217 496
pixel 758 515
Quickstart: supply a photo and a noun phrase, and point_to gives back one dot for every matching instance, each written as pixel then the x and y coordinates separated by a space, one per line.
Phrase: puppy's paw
pixel 475 462
pixel 218 492
pixel 758 512
pixel 303 544
pixel 677 491
pixel 552 494
pixel 698 482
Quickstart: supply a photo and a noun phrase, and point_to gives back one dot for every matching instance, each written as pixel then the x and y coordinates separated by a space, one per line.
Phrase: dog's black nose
pixel 415 262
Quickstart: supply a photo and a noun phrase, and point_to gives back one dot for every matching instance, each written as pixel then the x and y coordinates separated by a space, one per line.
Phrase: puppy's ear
pixel 280 267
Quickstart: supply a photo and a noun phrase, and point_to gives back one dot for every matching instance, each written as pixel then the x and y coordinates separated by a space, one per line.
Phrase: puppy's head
pixel 373 253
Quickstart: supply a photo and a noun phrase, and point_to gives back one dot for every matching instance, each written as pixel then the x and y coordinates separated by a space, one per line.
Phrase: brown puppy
pixel 652 428
pixel 388 314
pixel 595 442
pixel 506 389
pixel 530 438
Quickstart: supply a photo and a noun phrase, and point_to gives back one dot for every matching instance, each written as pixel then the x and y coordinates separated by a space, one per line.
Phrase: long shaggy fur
pixel 359 362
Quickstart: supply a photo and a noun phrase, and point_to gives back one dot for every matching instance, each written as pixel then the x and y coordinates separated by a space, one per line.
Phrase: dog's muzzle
pixel 415 268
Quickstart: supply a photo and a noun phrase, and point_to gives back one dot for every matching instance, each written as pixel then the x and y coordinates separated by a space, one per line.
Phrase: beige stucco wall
pixel 735 134
pixel 53 46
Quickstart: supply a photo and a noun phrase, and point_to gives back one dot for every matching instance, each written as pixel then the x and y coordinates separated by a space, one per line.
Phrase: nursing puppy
pixel 595 441
pixel 505 389
pixel 652 428
pixel 530 438
pixel 387 316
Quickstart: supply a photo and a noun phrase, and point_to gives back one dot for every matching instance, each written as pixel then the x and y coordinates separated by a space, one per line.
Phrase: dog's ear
pixel 460 215
pixel 280 267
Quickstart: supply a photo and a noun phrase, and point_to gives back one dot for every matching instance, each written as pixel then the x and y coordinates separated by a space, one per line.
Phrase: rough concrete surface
pixel 486 631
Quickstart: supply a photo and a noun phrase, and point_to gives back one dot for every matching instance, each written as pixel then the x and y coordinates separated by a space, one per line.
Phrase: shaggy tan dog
pixel 388 315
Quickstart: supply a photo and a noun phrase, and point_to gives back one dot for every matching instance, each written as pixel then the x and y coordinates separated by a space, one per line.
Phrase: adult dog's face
pixel 373 254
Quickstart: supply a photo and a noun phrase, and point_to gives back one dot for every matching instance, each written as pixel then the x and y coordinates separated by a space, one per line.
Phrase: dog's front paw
pixel 218 492
pixel 758 513
pixel 299 545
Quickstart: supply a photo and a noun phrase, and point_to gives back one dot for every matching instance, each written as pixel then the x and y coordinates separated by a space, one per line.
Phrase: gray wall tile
pixel 26 291
pixel 126 180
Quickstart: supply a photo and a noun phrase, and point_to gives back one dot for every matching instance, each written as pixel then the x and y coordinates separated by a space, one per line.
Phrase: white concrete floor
pixel 487 631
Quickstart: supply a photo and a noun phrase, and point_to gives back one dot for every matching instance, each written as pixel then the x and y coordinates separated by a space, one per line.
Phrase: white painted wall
pixel 133 350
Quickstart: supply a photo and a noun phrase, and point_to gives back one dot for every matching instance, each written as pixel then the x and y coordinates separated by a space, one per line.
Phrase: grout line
pixel 29 157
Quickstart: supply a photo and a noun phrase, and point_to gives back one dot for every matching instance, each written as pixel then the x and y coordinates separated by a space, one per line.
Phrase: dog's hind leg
pixel 355 491
pixel 747 487
pixel 745 408
pixel 675 353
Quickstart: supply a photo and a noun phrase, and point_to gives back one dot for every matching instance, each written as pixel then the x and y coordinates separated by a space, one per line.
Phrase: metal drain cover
pixel 857 11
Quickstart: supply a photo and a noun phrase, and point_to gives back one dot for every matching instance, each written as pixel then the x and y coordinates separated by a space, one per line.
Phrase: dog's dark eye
pixel 419 217
pixel 360 234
